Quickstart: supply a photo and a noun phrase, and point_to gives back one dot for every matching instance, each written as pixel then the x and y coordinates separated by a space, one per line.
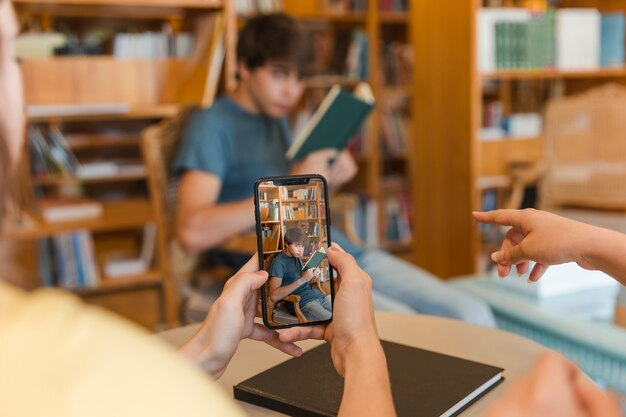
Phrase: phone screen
pixel 293 234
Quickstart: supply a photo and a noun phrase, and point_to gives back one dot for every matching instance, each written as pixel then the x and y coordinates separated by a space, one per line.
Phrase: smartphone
pixel 293 233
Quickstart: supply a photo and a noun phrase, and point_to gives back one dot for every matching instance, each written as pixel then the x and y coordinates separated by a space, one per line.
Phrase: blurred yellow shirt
pixel 59 357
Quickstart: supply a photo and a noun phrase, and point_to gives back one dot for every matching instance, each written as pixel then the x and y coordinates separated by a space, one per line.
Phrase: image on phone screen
pixel 293 235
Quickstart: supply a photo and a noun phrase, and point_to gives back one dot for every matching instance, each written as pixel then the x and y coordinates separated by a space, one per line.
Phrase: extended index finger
pixel 501 217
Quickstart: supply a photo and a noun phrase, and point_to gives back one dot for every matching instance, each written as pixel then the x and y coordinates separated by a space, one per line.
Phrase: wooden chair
pixel 159 145
pixel 278 313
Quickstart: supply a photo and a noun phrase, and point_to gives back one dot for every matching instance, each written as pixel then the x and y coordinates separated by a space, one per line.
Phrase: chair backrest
pixel 159 145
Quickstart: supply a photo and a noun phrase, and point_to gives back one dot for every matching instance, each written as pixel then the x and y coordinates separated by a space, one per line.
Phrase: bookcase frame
pixel 372 161
pixel 153 90
pixel 451 164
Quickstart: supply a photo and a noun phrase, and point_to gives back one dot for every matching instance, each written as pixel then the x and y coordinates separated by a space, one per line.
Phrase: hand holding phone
pixel 293 233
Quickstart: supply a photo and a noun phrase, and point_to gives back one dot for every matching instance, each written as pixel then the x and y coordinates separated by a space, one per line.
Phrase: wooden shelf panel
pixel 176 4
pixel 394 17
pixel 61 179
pixel 496 155
pixel 116 216
pixel 147 112
pixel 554 74
pixel 327 81
pixel 86 141
pixel 339 17
pixel 148 279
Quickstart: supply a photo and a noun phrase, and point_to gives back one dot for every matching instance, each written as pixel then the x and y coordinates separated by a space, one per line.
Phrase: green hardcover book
pixel 337 119
pixel 315 260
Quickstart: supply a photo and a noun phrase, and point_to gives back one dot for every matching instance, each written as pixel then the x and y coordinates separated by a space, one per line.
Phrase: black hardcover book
pixel 424 383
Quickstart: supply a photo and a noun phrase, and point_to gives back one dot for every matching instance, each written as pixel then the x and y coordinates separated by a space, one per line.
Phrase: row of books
pixel 339 52
pixel 309 193
pixel 497 125
pixel 153 45
pixel 340 6
pixel 398 218
pixel 311 248
pixel 51 154
pixel 393 5
pixel 394 124
pixel 269 210
pixel 250 7
pixel 271 238
pixel 567 39
pixel 300 212
pixel 68 261
pixel 396 60
pixel 397 209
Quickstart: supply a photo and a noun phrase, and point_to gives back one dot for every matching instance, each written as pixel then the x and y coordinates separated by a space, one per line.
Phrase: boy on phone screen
pixel 287 277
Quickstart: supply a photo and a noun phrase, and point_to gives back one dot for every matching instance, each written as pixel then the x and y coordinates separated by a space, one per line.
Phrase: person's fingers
pixel 503 270
pixel 501 217
pixel 252 265
pixel 343 262
pixel 511 256
pixel 295 334
pixel 596 402
pixel 270 337
pixel 537 272
pixel 522 268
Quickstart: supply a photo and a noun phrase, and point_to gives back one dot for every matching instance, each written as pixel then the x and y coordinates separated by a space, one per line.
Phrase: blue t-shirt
pixel 235 145
pixel 289 268
pixel 239 147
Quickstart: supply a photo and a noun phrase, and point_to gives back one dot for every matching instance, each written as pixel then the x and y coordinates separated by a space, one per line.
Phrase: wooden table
pixel 495 347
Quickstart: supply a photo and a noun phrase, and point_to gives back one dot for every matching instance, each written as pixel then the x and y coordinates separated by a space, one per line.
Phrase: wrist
pixel 363 351
pixel 198 349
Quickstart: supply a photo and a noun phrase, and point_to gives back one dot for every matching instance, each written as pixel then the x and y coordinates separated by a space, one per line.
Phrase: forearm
pixel 213 224
pixel 606 251
pixel 281 292
pixel 367 390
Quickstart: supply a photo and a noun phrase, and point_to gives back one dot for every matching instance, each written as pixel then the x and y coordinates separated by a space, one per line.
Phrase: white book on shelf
pixel 120 264
pixel 69 209
pixel 76 109
pixel 38 45
pixel 578 39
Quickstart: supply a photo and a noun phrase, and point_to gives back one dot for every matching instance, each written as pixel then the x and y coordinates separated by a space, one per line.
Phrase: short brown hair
pixel 295 235
pixel 275 37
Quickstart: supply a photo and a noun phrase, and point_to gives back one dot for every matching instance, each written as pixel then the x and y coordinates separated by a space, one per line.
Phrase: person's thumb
pixel 244 283
pixel 510 256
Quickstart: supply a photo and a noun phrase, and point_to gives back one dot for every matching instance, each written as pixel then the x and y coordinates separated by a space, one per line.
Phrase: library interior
pixel 147 123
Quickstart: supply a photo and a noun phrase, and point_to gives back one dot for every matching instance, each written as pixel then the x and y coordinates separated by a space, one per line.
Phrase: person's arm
pixel 231 319
pixel 549 239
pixel 355 348
pixel 201 223
pixel 554 388
pixel 278 292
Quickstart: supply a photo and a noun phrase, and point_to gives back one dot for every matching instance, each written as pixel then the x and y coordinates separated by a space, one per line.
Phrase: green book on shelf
pixel 315 260
pixel 336 120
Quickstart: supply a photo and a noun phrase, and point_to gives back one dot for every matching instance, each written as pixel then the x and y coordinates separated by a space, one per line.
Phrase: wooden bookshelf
pixel 452 165
pixel 554 74
pixel 380 27
pixel 100 104
pixel 115 216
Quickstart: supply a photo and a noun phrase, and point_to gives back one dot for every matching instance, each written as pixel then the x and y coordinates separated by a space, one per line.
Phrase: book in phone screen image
pixel 337 119
pixel 423 383
pixel 315 260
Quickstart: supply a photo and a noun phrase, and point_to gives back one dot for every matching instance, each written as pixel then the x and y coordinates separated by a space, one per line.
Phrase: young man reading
pixel 287 277
pixel 245 135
